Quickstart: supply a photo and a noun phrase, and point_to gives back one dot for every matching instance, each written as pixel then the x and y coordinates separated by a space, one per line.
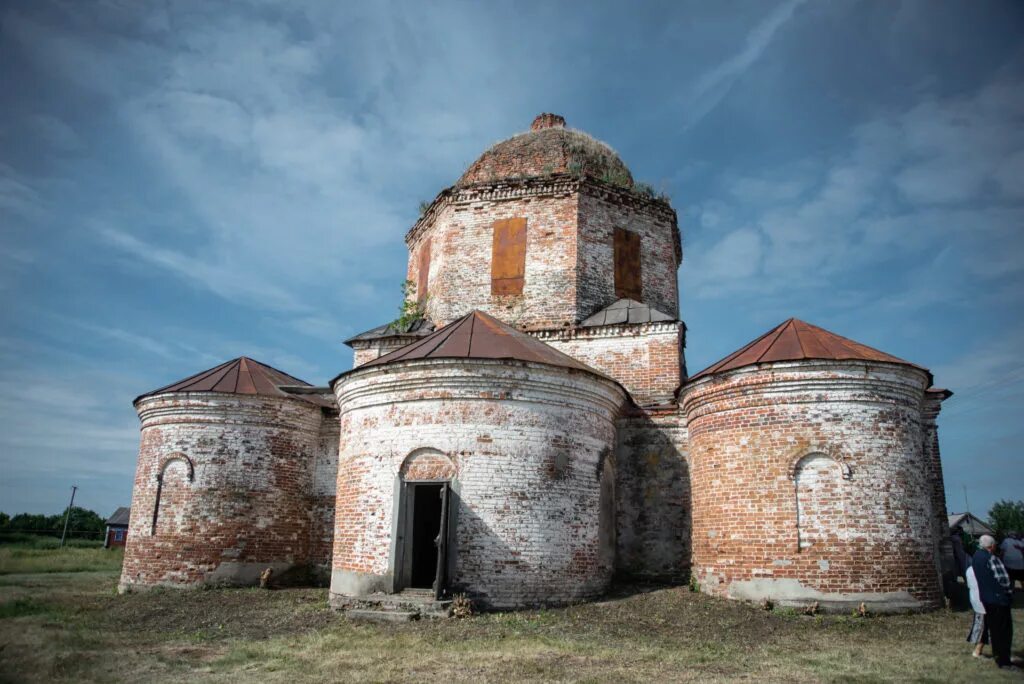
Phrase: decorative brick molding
pixel 427 464
pixel 827 450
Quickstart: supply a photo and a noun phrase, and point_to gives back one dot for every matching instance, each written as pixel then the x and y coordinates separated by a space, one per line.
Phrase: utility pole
pixel 74 488
pixel 967 506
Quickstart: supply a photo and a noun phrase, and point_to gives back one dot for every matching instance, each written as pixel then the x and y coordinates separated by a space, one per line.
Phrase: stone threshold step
pixel 381 615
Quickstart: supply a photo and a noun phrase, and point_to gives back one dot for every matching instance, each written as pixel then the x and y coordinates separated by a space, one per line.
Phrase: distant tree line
pixel 83 524
pixel 1006 516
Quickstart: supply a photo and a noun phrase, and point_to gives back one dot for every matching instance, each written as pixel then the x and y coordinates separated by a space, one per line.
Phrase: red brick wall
pixel 248 505
pixel 940 519
pixel 368 350
pixel 844 439
pixel 569 251
pixel 601 211
pixel 526 444
pixel 325 480
pixel 646 359
pixel 461 235
pixel 653 491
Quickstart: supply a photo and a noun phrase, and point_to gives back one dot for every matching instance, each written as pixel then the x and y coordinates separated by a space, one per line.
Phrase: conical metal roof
pixel 480 336
pixel 796 340
pixel 238 376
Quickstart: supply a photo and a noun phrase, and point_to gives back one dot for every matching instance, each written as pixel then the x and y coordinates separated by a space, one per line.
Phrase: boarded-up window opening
pixel 423 271
pixel 627 265
pixel 508 257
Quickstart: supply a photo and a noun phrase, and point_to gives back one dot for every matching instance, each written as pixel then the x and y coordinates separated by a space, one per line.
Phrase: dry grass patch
pixel 68 627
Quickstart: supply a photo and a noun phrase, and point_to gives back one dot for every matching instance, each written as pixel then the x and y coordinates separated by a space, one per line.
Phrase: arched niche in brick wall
pixel 173 480
pixel 819 481
pixel 427 464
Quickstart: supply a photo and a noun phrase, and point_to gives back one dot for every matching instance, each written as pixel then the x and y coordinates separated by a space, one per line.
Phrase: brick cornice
pixel 607 331
pixel 813 382
pixel 478 380
pixel 228 409
pixel 555 185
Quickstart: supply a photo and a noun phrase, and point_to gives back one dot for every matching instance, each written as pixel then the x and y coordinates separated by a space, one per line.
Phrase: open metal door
pixel 441 542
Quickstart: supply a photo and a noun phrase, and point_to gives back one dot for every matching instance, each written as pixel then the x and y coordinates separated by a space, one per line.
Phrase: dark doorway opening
pixel 426 531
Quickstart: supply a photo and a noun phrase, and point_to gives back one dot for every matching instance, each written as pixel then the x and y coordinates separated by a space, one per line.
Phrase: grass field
pixel 22 559
pixel 72 626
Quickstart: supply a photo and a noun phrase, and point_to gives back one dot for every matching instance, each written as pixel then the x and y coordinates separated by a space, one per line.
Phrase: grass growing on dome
pixel 74 627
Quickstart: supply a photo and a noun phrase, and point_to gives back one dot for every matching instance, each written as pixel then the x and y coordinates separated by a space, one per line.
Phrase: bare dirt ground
pixel 74 627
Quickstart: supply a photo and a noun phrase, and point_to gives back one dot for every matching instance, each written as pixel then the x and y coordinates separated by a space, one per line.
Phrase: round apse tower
pixel 476 460
pixel 225 485
pixel 810 478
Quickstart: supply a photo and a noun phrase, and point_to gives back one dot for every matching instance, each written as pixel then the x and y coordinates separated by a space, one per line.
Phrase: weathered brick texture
pixel 528 446
pixel 940 521
pixel 238 493
pixel 810 483
pixel 796 481
pixel 569 270
pixel 368 350
pixel 647 358
pixel 654 502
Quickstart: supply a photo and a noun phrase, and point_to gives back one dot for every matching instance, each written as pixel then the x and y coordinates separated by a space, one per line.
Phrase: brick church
pixel 531 430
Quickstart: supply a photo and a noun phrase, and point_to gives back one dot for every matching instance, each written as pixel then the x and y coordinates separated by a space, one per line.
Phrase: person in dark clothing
pixel 996 595
pixel 959 555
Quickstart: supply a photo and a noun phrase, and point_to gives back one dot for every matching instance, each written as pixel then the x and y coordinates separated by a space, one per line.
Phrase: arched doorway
pixel 424 520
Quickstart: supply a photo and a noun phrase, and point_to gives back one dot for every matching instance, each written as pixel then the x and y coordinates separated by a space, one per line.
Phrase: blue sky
pixel 185 182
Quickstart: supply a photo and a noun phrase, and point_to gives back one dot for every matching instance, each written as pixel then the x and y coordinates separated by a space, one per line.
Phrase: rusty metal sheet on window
pixel 627 265
pixel 508 257
pixel 423 271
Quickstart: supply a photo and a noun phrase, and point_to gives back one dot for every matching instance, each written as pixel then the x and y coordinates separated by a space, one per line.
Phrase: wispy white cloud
pixel 715 84
pixel 18 196
pixel 227 282
pixel 909 181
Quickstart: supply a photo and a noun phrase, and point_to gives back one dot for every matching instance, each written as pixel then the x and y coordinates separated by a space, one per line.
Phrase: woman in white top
pixel 979 632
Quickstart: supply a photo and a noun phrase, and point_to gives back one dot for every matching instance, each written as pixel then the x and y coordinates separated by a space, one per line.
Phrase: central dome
pixel 548 148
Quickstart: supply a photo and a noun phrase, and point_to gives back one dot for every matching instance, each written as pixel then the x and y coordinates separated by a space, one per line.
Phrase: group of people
pixel 991 574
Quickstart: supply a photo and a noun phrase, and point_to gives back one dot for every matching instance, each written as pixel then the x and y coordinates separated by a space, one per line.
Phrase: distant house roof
pixel 480 336
pixel 626 311
pixel 120 517
pixel 796 340
pixel 969 523
pixel 418 328
pixel 241 376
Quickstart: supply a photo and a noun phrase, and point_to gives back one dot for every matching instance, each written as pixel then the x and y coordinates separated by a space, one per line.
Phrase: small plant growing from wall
pixel 647 190
pixel 424 207
pixel 411 310
pixel 694 584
